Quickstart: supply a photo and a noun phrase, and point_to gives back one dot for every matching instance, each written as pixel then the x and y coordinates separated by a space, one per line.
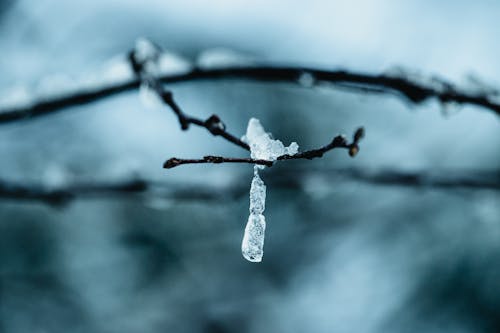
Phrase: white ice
pixel 147 53
pixel 252 246
pixel 221 57
pixel 172 64
pixel 157 62
pixel 262 146
pixel 18 96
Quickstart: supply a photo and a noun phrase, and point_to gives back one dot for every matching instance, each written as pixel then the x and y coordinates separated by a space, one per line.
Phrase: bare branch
pixel 414 92
pixel 174 161
pixel 213 124
pixel 338 142
pixel 293 178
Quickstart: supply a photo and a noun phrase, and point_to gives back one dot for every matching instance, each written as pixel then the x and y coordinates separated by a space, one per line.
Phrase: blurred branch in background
pixel 415 89
pixel 290 179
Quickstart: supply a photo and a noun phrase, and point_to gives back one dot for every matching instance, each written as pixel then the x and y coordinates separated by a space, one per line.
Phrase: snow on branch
pixel 416 89
pixel 142 60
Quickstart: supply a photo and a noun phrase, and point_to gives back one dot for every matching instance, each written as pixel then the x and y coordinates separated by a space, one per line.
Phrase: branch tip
pixel 172 163
pixel 353 150
pixel 359 134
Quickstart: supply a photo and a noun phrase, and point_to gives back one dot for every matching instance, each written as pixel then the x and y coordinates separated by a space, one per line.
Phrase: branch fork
pixel 216 126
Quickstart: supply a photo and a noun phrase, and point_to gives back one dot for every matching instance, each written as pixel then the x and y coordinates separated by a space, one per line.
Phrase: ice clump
pixel 19 96
pixel 147 53
pixel 262 146
pixel 221 57
pixel 116 70
pixel 172 64
pixel 159 62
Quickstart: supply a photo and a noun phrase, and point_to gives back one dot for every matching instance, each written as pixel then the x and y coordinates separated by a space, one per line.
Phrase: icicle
pixel 262 146
pixel 252 246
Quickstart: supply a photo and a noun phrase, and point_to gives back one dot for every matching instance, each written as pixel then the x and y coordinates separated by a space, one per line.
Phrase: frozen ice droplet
pixel 252 246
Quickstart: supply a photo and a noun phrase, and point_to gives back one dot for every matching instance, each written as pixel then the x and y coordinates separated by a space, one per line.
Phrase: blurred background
pixel 342 253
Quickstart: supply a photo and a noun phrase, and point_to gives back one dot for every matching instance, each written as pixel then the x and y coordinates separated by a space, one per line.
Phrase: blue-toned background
pixel 341 254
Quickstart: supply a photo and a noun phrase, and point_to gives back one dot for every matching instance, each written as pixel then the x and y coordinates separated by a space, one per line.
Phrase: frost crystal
pixel 262 146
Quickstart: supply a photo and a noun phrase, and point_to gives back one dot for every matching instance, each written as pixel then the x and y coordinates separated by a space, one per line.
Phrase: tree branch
pixel 141 62
pixel 415 92
pixel 213 124
pixel 293 178
pixel 174 161
pixel 338 142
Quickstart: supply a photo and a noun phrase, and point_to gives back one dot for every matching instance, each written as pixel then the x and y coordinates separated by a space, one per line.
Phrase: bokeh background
pixel 341 254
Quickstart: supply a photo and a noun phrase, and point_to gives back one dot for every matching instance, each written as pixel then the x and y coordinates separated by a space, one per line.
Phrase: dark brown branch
pixel 213 124
pixel 439 179
pixel 174 161
pixel 294 178
pixel 338 142
pixel 362 82
pixel 58 196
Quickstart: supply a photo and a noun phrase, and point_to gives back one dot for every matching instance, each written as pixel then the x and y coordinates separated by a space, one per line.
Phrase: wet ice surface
pixel 252 246
pixel 262 146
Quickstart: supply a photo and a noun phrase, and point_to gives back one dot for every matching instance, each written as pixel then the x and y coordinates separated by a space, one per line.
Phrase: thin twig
pixel 174 161
pixel 414 92
pixel 338 142
pixel 213 124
